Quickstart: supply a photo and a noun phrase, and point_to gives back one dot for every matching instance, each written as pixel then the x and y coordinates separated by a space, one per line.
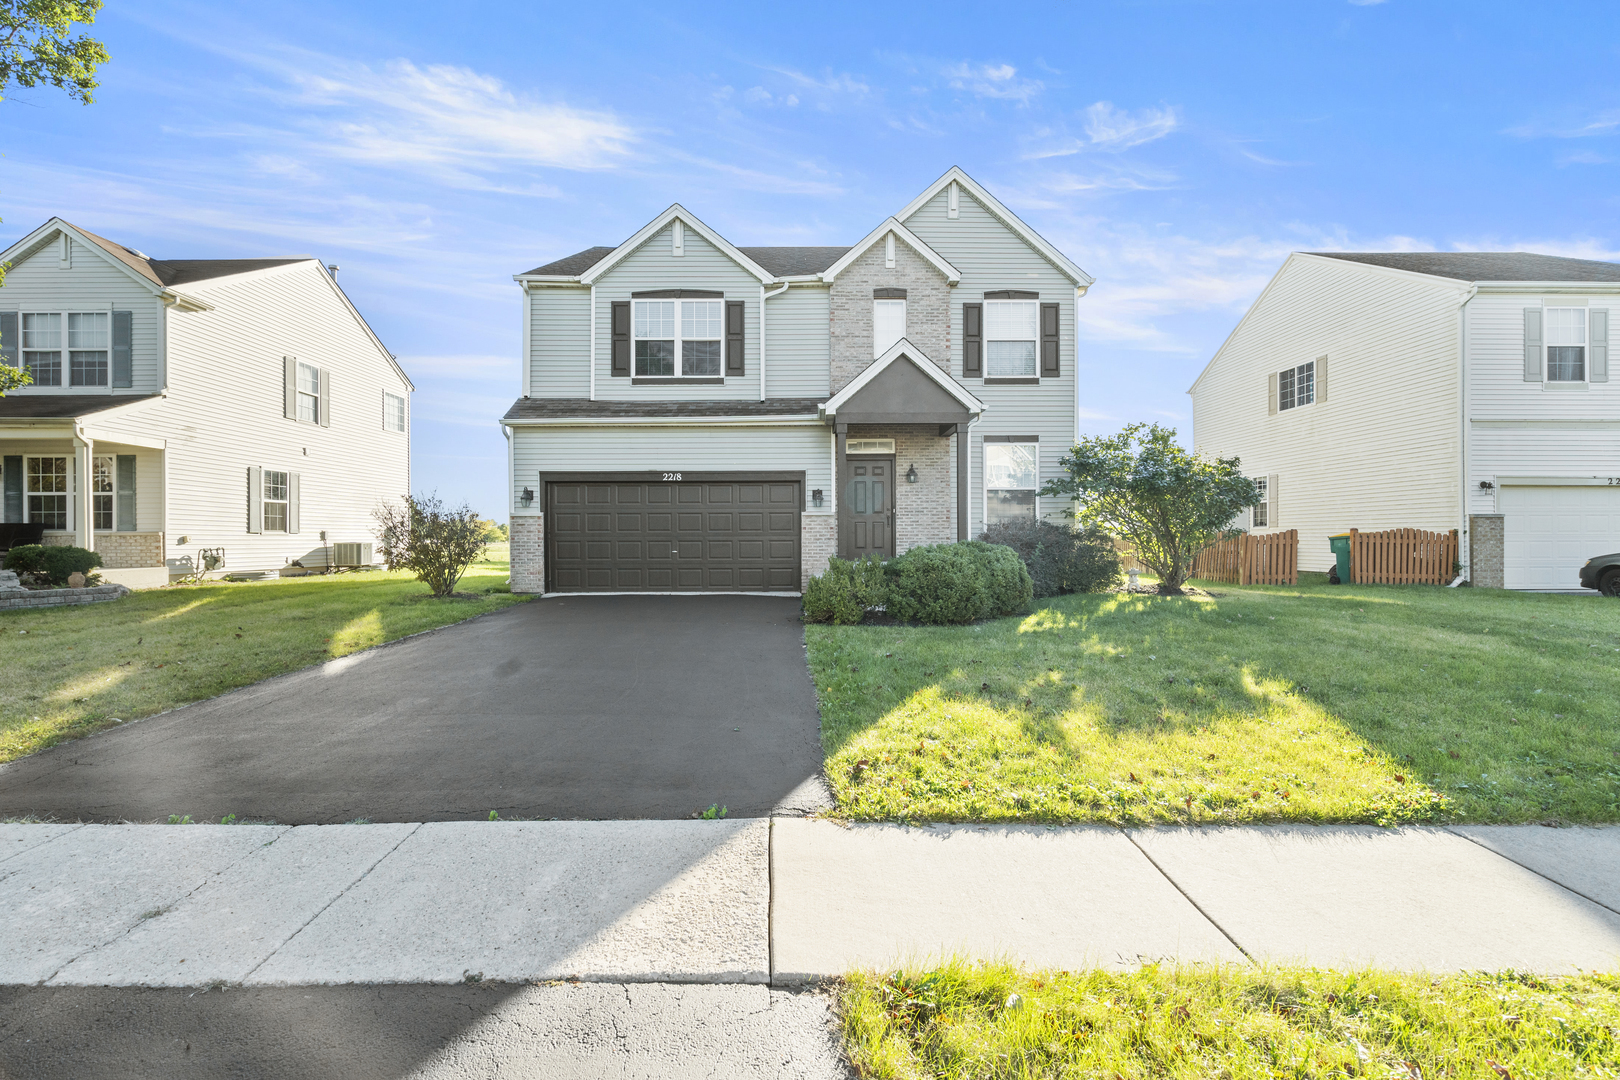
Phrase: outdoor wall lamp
pixel 911 475
pixel 815 496
pixel 1486 485
pixel 528 496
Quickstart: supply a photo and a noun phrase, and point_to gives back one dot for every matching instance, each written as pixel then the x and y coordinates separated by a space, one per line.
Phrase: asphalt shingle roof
pixel 794 261
pixel 581 409
pixel 21 405
pixel 1484 265
pixel 167 272
pixel 575 264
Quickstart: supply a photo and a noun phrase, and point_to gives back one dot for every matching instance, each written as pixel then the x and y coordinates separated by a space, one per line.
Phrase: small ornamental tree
pixel 1167 503
pixel 435 543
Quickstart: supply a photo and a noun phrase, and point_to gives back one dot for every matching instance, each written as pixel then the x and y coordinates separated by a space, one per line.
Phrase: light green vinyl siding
pixel 651 266
pixel 560 343
pixel 798 349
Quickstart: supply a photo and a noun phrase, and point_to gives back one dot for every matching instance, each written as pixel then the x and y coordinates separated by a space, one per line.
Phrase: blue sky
pixel 1176 151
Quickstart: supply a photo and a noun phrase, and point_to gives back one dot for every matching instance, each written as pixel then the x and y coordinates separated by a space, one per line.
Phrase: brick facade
pixel 818 542
pixel 924 512
pixel 528 535
pixel 928 309
pixel 1485 551
pixel 118 550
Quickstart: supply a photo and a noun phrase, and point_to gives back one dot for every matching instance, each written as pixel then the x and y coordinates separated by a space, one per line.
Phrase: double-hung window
pixel 89 335
pixel 275 501
pixel 1011 330
pixel 888 325
pixel 309 393
pixel 42 346
pixel 47 489
pixel 1296 386
pixel 1257 512
pixel 1011 472
pixel 89 338
pixel 393 412
pixel 1566 344
pixel 101 493
pixel 679 338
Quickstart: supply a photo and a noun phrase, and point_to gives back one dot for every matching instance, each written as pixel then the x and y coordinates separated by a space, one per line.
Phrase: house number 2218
pixel 672 476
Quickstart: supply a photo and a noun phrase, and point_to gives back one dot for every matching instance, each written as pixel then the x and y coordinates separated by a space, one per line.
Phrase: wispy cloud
pixel 758 95
pixel 993 81
pixel 1604 123
pixel 1119 129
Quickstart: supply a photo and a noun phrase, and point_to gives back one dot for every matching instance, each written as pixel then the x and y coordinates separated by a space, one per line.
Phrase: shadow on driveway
pixel 569 707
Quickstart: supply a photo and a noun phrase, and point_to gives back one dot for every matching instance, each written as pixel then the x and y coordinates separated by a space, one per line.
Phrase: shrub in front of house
pixel 846 592
pixel 946 584
pixel 52 563
pixel 1060 558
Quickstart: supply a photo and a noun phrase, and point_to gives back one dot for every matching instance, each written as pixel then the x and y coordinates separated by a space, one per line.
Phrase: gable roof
pixel 656 226
pixel 903 349
pixel 1483 265
pixel 794 261
pixel 893 225
pixel 1034 239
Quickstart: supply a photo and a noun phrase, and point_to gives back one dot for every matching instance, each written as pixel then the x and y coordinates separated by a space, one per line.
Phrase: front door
pixel 869 507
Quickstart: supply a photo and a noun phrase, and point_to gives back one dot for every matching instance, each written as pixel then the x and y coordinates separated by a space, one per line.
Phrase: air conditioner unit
pixel 351 554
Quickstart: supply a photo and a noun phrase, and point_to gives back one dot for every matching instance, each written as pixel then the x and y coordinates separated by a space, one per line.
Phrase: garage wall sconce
pixel 528 496
pixel 815 497
pixel 911 475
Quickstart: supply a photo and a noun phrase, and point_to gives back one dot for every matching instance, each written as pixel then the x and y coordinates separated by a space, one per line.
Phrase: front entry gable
pixel 902 387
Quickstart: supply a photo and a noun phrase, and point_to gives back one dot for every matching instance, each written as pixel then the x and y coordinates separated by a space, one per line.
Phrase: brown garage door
pixel 719 535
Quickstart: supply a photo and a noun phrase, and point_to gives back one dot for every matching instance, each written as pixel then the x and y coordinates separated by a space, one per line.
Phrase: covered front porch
pixel 65 481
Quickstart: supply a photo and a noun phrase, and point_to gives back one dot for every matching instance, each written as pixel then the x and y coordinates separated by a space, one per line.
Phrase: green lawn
pixel 1194 1022
pixel 1315 704
pixel 70 671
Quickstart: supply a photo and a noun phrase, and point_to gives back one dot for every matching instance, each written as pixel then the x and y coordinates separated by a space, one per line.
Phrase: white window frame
pixel 680 339
pixel 1547 345
pixel 265 502
pixel 886 304
pixel 984 473
pixel 300 395
pixel 110 495
pixel 1034 339
pixel 1259 513
pixel 389 397
pixel 64 348
pixel 28 506
pixel 1293 374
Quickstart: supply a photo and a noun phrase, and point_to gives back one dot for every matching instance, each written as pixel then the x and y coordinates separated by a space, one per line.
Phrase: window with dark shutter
pixel 123 341
pixel 734 337
pixel 8 338
pixel 11 504
pixel 125 517
pixel 1050 368
pixel 972 341
pixel 619 325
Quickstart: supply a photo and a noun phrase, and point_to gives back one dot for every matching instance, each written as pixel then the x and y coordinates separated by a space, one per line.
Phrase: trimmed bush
pixel 845 593
pixel 54 564
pixel 1061 559
pixel 946 584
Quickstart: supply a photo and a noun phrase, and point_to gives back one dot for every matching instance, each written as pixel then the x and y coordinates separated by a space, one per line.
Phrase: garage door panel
pixel 750 549
pixel 750 522
pixel 660 522
pixel 1550 532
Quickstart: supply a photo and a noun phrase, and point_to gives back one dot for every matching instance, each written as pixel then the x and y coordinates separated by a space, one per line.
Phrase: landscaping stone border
pixel 13 599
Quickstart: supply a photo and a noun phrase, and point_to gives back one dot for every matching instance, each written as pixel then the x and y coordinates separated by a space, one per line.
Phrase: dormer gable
pixel 677 220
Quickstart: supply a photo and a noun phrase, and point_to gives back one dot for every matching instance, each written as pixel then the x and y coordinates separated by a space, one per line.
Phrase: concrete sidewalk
pixel 785 901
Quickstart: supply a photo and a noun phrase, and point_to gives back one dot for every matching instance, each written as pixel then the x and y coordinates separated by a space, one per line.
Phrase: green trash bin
pixel 1341 550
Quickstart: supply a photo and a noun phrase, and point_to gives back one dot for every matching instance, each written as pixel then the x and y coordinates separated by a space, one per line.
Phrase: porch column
pixel 84 525
pixel 961 481
pixel 842 431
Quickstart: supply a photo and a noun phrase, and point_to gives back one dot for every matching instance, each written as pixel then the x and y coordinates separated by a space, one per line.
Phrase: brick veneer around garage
pixel 527 553
pixel 1485 551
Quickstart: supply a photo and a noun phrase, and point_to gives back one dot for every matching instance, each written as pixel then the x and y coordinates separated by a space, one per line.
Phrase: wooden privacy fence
pixel 1251 559
pixel 1403 557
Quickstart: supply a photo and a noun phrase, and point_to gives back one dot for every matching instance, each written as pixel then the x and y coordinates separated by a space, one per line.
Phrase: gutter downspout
pixel 764 296
pixel 1464 549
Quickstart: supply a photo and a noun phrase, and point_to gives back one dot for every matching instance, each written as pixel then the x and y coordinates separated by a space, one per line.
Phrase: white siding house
pixel 182 405
pixel 1440 391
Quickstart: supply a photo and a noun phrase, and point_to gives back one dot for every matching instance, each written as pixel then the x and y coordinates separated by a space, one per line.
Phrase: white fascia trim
pixel 41 236
pixel 797 420
pixel 893 225
pixel 1575 287
pixel 545 279
pixel 1008 218
pixel 97 435
pixel 905 348
pixel 657 225
pixel 184 302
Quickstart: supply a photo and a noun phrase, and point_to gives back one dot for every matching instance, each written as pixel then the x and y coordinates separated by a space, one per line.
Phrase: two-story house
pixel 702 417
pixel 180 405
pixel 1433 390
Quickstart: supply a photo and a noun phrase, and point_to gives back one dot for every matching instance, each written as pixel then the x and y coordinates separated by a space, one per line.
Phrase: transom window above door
pixel 678 338
pixel 1011 329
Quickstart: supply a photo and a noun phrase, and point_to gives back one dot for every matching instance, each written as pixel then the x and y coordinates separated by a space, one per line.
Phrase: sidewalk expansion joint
pixel 1533 870
pixel 770 903
pixel 1196 905
pixel 340 895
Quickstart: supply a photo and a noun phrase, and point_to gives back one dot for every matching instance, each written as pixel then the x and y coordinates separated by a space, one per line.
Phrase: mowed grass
pixel 1315 704
pixel 67 672
pixel 994 1021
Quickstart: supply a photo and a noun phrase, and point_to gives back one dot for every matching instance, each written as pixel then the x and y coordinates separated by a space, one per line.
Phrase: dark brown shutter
pixel 123 340
pixel 972 341
pixel 1050 368
pixel 620 327
pixel 8 338
pixel 734 337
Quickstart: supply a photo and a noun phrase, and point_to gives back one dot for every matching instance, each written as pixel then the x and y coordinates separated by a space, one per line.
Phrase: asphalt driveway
pixel 570 707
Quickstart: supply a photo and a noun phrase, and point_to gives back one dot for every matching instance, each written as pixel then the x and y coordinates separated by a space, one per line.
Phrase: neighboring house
pixel 698 416
pixel 1441 391
pixel 186 404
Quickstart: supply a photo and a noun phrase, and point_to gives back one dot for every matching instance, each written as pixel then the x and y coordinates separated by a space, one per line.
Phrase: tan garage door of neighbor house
pixel 1550 532
pixel 719 535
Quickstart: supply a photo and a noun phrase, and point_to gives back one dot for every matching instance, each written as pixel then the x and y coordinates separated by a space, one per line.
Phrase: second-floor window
pixel 393 412
pixel 679 338
pixel 1011 329
pixel 1566 344
pixel 88 340
pixel 888 325
pixel 309 393
pixel 1296 386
